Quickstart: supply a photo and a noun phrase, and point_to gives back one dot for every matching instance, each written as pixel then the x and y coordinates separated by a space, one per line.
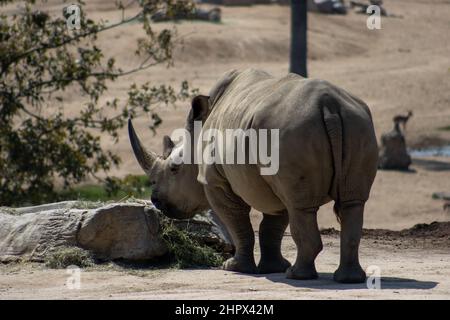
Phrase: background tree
pixel 40 58
pixel 299 26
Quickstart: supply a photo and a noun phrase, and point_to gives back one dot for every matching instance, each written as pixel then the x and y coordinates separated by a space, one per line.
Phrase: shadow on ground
pixel 432 165
pixel 326 282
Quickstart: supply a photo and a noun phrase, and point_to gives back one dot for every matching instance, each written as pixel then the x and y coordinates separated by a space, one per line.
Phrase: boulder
pixel 213 15
pixel 327 6
pixel 128 231
pixel 121 231
pixel 114 231
pixel 393 153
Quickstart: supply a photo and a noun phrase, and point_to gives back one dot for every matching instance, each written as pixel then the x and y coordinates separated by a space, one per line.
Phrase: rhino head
pixel 175 189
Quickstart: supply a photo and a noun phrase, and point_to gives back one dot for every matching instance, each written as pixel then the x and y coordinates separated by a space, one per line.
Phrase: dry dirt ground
pixel 411 267
pixel 403 66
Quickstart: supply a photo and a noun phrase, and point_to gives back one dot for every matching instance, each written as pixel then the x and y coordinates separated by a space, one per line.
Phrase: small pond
pixel 430 152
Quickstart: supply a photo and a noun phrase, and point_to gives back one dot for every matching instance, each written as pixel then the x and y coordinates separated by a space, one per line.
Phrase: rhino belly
pixel 254 190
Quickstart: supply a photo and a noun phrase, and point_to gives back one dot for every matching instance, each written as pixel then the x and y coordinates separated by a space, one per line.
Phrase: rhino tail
pixel 333 125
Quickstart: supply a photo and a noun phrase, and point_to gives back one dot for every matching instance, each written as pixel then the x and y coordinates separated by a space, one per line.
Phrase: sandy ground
pixel 404 66
pixel 408 269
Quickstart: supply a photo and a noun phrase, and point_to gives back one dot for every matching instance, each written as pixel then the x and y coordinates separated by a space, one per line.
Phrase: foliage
pixel 113 189
pixel 185 251
pixel 41 143
pixel 64 257
pixel 445 128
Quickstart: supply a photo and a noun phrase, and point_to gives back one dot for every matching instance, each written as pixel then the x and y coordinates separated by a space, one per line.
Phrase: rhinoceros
pixel 327 152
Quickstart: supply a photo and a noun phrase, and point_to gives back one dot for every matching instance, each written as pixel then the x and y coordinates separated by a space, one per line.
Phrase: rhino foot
pixel 353 274
pixel 302 273
pixel 240 265
pixel 273 266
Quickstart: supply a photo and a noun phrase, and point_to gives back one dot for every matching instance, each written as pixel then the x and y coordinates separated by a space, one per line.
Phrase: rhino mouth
pixel 171 211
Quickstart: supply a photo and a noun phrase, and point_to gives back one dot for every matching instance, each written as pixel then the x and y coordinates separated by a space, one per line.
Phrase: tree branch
pixel 47 46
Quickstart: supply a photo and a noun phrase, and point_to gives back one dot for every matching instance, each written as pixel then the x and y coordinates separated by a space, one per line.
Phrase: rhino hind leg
pixel 306 235
pixel 271 231
pixel 235 214
pixel 350 270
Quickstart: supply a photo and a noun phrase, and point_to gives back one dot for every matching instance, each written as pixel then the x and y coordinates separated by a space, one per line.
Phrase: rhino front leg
pixel 350 270
pixel 306 235
pixel 235 214
pixel 271 231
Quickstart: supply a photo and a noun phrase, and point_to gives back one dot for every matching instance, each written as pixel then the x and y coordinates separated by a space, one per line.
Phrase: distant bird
pixel 397 127
pixel 447 206
pixel 401 119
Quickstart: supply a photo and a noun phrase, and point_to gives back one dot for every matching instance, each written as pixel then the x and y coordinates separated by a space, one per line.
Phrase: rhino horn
pixel 145 158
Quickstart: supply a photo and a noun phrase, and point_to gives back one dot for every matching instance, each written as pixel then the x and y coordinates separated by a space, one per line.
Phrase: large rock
pixel 115 231
pixel 213 15
pixel 128 231
pixel 393 153
pixel 122 231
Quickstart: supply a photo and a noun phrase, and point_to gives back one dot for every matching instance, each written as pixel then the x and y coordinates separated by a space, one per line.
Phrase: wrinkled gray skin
pixel 328 151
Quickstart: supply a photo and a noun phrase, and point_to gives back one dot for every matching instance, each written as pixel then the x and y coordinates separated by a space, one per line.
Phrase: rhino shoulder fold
pixel 219 88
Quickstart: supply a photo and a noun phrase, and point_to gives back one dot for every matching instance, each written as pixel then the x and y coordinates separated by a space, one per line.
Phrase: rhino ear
pixel 200 108
pixel 168 145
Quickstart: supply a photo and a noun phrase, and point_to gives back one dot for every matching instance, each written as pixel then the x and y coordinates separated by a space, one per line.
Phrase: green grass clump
pixel 114 189
pixel 186 252
pixel 86 193
pixel 63 257
pixel 445 128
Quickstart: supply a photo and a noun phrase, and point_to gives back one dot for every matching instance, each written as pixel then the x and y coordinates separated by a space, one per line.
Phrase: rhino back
pixel 292 105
